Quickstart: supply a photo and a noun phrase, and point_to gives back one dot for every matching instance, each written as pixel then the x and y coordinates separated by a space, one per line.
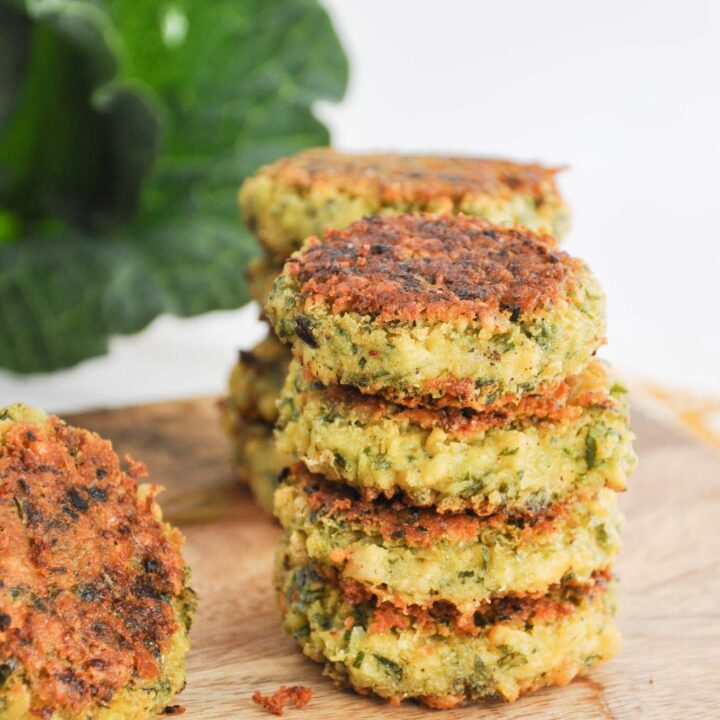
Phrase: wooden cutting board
pixel 669 570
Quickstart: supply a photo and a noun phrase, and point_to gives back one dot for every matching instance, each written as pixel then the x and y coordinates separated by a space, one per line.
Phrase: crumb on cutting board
pixel 297 695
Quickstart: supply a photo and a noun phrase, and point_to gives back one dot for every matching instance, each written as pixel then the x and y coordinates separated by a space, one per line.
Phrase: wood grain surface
pixel 669 569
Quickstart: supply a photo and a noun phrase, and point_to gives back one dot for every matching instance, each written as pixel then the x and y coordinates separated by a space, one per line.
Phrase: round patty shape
pixel 255 383
pixel 438 310
pixel 94 605
pixel 317 189
pixel 548 450
pixel 412 556
pixel 397 656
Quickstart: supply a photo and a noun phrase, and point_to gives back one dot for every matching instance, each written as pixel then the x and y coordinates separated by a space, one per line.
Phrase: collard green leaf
pixel 51 291
pixel 126 129
pixel 63 296
pixel 229 72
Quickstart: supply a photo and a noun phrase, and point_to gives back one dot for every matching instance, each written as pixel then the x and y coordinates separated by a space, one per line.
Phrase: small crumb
pixel 297 695
pixel 174 710
pixel 651 681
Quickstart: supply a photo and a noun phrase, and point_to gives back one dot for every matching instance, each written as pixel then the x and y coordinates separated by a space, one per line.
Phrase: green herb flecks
pixel 391 668
pixel 591 449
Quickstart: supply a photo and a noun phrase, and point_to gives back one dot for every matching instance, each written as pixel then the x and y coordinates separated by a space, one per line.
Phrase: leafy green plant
pixel 125 130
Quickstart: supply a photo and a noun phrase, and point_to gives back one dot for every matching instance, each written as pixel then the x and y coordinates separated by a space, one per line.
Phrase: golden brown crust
pixel 508 609
pixel 414 179
pixel 440 268
pixel 394 519
pixel 556 404
pixel 558 601
pixel 297 695
pixel 87 572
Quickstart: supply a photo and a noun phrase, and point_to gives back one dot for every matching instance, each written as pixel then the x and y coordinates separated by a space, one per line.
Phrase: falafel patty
pixel 414 556
pixel 512 647
pixel 249 412
pixel 94 603
pixel 255 383
pixel 547 450
pixel 257 461
pixel 442 311
pixel 306 193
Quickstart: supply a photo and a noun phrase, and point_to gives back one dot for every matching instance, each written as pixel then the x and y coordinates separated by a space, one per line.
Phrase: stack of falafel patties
pixel 303 195
pixel 451 523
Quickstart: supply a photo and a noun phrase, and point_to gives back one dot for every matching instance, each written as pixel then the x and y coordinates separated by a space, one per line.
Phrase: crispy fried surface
pixel 559 601
pixel 404 267
pixel 87 572
pixel 297 695
pixel 415 526
pixel 417 556
pixel 411 178
pixel 559 403
pixel 305 194
pixel 508 647
pixel 543 450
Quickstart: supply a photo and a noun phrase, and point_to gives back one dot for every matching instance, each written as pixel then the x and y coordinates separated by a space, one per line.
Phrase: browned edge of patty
pixel 396 178
pixel 441 617
pixel 557 404
pixel 439 268
pixel 394 519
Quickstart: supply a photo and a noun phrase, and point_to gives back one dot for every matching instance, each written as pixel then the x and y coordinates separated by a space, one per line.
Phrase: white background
pixel 626 93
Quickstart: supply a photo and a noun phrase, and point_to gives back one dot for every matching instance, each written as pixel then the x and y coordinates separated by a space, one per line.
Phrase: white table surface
pixel 628 94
